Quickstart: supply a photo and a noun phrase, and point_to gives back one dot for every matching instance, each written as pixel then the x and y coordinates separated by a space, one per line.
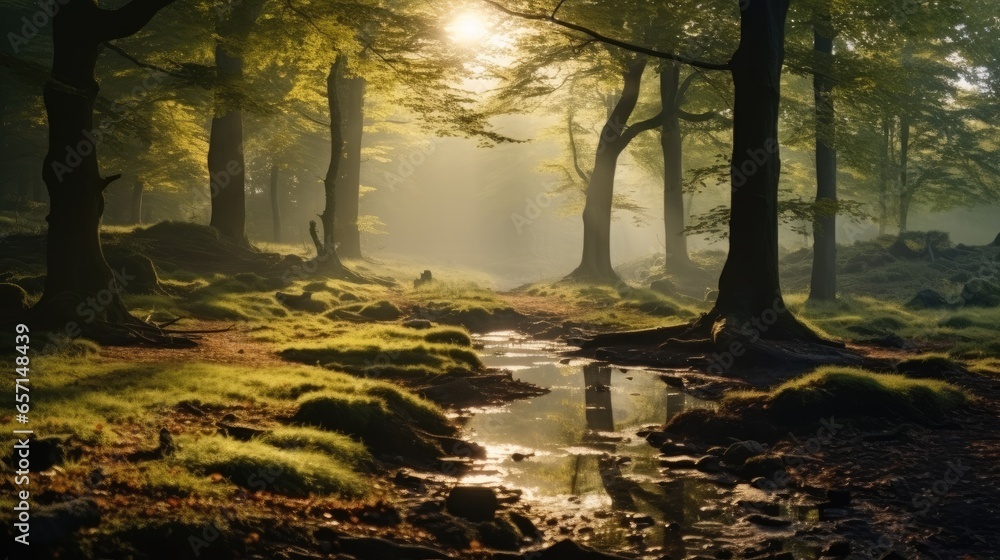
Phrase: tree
pixel 226 161
pixel 823 284
pixel 80 285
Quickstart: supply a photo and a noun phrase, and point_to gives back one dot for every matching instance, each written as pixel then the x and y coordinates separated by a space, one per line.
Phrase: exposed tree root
pixel 722 343
pixel 114 326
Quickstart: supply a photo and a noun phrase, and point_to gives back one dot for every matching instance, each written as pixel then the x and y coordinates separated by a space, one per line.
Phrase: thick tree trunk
pixel 135 209
pixel 38 193
pixel 675 241
pixel 595 264
pixel 996 241
pixel 226 164
pixel 748 286
pixel 352 99
pixel 275 204
pixel 823 286
pixel 81 292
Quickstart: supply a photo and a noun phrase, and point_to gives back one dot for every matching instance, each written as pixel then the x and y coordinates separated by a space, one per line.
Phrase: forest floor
pixel 326 425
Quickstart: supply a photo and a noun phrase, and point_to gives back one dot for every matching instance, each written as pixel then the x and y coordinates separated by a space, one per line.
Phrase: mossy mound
pixel 388 422
pixel 845 392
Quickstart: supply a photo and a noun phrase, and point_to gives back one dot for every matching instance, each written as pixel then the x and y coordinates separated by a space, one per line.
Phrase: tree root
pixel 723 343
pixel 114 327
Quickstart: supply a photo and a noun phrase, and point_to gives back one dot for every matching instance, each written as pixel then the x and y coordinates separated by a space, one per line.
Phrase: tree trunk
pixel 226 164
pixel 275 206
pixel 675 241
pixel 595 264
pixel 996 241
pixel 328 218
pixel 749 286
pixel 81 291
pixel 352 99
pixel 883 185
pixel 823 286
pixel 904 157
pixel 136 208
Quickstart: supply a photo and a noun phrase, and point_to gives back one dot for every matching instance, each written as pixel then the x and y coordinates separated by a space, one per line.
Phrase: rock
pixel 53 523
pixel 499 534
pixel 837 549
pixel 167 445
pixel 569 550
pixel 762 465
pixel 892 555
pixel 419 324
pixel 767 520
pixel 838 498
pixel 738 453
pixel 474 503
pixel 663 286
pixel 525 525
pixel 425 277
pixel 961 277
pixel 981 293
pixel 676 448
pixel 13 300
pixel 672 380
pixel 709 464
pixel 928 299
pixel 239 432
pixel 679 464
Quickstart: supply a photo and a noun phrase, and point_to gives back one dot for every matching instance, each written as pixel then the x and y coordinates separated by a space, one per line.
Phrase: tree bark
pixel 80 289
pixel 749 286
pixel 328 218
pixel 352 97
pixel 823 285
pixel 275 204
pixel 595 264
pixel 136 207
pixel 675 241
pixel 904 159
pixel 226 164
pixel 883 184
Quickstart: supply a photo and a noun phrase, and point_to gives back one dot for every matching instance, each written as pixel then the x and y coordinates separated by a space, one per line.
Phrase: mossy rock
pixel 13 300
pixel 135 271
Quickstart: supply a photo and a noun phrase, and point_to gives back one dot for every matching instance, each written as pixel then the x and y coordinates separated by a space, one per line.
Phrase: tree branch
pixel 638 128
pixel 691 117
pixel 127 20
pixel 124 54
pixel 612 41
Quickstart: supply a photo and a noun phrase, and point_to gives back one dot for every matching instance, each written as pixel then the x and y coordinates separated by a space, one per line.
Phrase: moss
pixel 337 446
pixel 258 466
pixel 846 392
pixel 448 336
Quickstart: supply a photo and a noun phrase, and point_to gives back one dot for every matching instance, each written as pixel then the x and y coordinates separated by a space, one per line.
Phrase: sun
pixel 468 28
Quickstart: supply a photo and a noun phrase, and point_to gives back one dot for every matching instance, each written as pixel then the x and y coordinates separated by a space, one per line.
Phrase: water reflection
pixel 582 437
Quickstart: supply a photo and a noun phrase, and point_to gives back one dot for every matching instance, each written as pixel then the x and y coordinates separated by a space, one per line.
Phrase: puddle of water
pixel 575 450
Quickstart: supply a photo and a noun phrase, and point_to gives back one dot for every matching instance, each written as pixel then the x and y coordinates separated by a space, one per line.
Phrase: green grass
pixel 849 392
pixel 613 307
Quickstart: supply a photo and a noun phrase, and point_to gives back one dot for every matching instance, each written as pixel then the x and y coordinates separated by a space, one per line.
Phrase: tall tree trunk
pixel 275 203
pixel 904 159
pixel 80 289
pixel 226 164
pixel 352 99
pixel 136 207
pixel 883 183
pixel 823 286
pixel 675 241
pixel 595 264
pixel 328 218
pixel 749 286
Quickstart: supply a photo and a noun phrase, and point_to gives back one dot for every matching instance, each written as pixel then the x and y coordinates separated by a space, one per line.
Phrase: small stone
pixel 474 503
pixel 738 453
